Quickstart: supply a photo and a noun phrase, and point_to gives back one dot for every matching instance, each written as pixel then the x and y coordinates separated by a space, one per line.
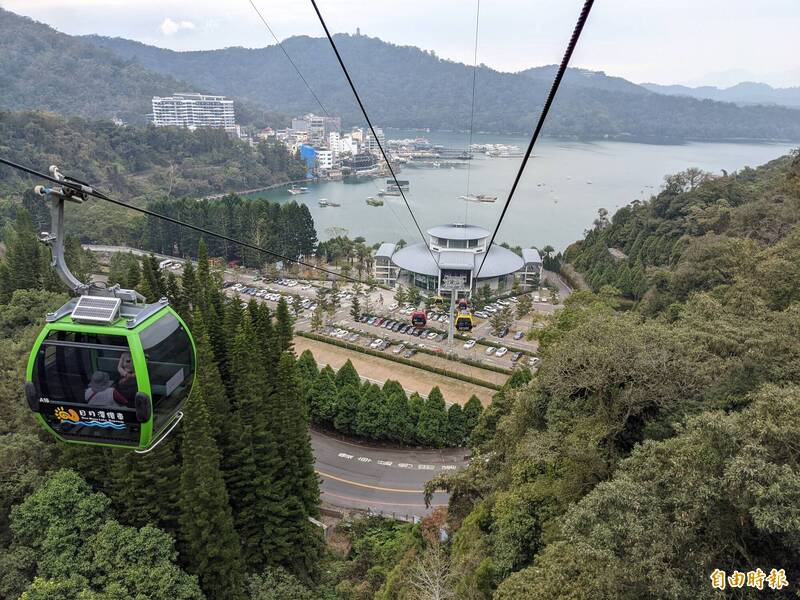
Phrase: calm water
pixel 555 212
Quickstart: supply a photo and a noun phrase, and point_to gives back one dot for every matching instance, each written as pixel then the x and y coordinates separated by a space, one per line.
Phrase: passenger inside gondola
pixel 126 378
pixel 101 394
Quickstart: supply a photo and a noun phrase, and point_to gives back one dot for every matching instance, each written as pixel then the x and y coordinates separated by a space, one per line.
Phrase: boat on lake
pixel 373 201
pixel 325 202
pixel 478 198
pixel 294 191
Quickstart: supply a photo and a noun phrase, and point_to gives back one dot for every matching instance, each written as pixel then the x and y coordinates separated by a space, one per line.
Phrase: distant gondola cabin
pixel 109 373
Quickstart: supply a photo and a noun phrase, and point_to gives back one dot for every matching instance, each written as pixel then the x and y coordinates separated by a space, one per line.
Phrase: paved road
pixel 387 480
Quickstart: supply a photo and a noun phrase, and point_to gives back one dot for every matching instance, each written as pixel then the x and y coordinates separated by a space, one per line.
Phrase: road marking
pixel 426 467
pixel 368 502
pixel 345 455
pixel 364 459
pixel 385 463
pixel 366 485
pixel 449 467
pixel 405 465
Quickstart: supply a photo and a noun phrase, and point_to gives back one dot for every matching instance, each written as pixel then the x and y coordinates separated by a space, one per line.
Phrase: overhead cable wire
pixel 311 90
pixel 371 128
pixel 90 191
pixel 289 58
pixel 573 42
pixel 472 109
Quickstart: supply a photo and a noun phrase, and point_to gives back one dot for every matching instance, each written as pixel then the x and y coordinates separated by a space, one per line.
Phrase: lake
pixel 564 185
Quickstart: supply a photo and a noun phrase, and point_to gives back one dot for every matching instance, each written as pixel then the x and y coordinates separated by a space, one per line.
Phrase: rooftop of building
pixel 386 250
pixel 531 255
pixel 417 259
pixel 459 231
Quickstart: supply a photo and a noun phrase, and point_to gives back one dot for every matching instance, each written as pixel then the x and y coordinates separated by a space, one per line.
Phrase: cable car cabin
pixel 464 321
pixel 463 305
pixel 438 301
pixel 419 318
pixel 109 373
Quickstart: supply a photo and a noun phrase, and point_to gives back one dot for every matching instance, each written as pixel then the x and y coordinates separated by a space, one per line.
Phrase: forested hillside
pixel 404 86
pixel 701 232
pixel 133 164
pixel 653 448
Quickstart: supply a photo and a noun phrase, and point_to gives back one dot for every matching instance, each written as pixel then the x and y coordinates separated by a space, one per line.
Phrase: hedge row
pixel 400 359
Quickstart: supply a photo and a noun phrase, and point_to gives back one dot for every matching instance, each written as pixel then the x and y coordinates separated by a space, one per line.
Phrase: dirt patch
pixel 379 369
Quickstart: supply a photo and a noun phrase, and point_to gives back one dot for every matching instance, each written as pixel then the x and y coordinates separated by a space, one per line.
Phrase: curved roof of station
pixel 459 231
pixel 417 258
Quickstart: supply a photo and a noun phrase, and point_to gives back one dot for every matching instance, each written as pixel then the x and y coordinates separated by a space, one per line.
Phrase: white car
pixel 432 335
pixel 502 303
pixel 377 342
pixel 490 350
pixel 393 306
pixel 490 309
pixel 469 344
pixel 501 351
pixel 399 349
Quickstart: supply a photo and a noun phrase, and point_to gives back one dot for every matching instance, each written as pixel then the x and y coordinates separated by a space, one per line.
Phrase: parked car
pixel 490 350
pixel 432 335
pixel 376 342
pixel 503 332
pixel 516 356
pixel 399 349
pixel 501 351
pixel 534 360
pixel 371 320
pixel 409 353
pixel 441 337
pixel 469 344
pixel 481 315
pixel 383 345
pixel 393 306
pixel 353 337
pixel 519 335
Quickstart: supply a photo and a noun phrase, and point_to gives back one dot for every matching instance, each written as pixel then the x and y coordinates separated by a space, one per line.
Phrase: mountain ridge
pixel 745 92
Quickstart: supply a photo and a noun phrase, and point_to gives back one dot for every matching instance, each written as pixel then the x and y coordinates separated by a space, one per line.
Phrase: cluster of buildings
pixel 327 150
pixel 456 259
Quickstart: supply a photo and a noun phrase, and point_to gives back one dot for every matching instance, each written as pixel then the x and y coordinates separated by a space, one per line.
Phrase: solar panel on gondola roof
pixel 96 309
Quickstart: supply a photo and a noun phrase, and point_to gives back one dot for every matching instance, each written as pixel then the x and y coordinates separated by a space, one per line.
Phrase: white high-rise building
pixel 193 111
pixel 324 159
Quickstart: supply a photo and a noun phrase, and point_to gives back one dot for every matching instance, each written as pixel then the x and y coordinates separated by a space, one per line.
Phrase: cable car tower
pixel 107 369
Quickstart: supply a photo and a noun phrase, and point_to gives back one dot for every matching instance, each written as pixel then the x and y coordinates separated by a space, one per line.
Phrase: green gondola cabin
pixel 111 373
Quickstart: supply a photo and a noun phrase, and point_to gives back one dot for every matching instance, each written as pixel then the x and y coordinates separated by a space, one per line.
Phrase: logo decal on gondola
pixel 73 418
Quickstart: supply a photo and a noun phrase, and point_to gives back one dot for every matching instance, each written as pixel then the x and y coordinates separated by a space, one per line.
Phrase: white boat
pixel 373 201
pixel 478 198
pixel 323 202
pixel 297 190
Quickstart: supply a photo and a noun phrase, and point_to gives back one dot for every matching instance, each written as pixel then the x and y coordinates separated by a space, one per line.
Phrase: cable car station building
pixel 455 252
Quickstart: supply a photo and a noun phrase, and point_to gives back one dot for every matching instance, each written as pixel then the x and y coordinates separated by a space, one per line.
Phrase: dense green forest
pixel 406 87
pixel 701 232
pixel 658 441
pixel 286 229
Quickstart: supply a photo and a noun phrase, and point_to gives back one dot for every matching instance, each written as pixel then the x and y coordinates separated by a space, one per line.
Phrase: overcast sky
pixel 695 42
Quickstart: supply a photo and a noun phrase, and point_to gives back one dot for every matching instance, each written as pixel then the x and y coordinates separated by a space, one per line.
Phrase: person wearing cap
pixel 101 394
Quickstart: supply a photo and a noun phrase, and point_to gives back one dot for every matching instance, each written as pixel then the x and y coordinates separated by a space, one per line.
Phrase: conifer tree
pixel 432 425
pixel 134 275
pixel 208 541
pixel 456 425
pixel 295 441
pixel 252 465
pixel 347 375
pixel 472 413
pixel 307 371
pixel 415 405
pixel 284 331
pixel 215 394
pixel 347 398
pixel 399 419
pixel 322 398
pixel 372 412
pixel 189 283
